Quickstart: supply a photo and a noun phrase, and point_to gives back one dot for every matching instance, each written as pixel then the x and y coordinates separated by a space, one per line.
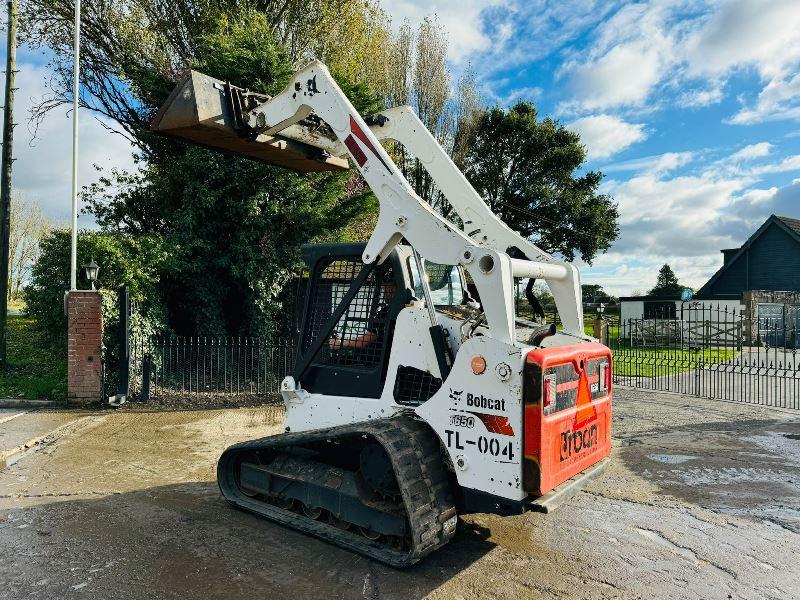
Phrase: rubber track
pixel 421 475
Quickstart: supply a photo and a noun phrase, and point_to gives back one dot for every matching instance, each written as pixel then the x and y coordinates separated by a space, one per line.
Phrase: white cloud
pixel 780 99
pixel 630 55
pixel 623 76
pixel 658 163
pixel 790 163
pixel 682 204
pixel 606 135
pixel 752 151
pixel 461 18
pixel 678 44
pixel 523 31
pixel 702 97
pixel 691 47
pixel 43 166
pixel 746 32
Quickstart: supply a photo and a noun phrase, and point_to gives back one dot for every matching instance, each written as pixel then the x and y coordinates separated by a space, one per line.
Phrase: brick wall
pixel 84 345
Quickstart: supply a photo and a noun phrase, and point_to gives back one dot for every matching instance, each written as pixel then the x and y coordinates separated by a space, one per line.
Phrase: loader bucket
pixel 197 111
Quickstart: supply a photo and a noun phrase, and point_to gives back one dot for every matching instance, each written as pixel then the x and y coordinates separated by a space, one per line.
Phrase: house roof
pixel 788 224
pixel 793 224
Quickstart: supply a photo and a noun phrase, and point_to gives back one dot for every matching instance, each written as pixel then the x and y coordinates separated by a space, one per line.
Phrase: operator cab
pixel 349 310
pixel 446 283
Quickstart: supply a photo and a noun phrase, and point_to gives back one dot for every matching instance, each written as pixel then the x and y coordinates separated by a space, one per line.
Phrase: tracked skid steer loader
pixel 411 399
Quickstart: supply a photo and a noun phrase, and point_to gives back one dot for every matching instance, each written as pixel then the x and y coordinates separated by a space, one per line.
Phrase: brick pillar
pixel 84 346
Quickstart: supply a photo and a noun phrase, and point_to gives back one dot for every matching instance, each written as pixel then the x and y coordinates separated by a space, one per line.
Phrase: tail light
pixel 604 376
pixel 549 394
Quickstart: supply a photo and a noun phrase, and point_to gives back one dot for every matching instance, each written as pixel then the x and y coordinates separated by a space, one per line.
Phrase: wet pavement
pixel 701 500
pixel 6 414
pixel 23 429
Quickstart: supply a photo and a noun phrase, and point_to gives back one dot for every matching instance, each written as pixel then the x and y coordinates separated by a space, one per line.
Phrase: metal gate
pixel 194 370
pixel 771 324
pixel 794 339
pixel 116 350
pixel 712 353
pixel 197 369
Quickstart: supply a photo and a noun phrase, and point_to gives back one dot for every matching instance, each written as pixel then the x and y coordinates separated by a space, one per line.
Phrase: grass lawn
pixel 656 362
pixel 34 370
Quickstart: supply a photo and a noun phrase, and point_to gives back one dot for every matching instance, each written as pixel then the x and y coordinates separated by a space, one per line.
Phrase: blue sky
pixel 691 109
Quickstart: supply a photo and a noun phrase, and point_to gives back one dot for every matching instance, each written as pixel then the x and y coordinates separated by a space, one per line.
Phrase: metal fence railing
pixel 208 366
pixel 711 352
pixel 701 351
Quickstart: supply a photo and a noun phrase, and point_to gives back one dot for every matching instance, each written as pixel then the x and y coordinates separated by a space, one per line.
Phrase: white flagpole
pixel 75 92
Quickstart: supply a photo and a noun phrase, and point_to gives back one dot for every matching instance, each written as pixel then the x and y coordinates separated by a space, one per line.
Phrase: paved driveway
pixel 702 500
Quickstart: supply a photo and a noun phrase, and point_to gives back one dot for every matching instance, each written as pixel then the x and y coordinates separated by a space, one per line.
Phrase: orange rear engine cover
pixel 567 396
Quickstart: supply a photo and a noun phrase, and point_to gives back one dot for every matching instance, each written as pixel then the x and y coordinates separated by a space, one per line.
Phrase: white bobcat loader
pixel 410 400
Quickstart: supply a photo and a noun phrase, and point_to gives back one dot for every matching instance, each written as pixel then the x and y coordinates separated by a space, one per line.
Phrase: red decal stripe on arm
pixel 359 133
pixel 355 150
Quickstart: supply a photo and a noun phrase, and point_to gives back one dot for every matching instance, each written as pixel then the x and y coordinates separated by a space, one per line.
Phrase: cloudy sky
pixel 691 108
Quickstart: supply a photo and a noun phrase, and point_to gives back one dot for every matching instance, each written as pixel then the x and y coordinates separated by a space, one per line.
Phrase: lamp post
pixel 91 268
pixel 600 328
pixel 75 96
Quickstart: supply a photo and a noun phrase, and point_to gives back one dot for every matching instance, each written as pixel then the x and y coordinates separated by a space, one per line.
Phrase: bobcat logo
pixel 312 86
pixel 455 396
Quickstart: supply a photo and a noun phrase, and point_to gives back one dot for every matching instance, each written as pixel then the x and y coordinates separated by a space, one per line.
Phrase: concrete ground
pixel 701 500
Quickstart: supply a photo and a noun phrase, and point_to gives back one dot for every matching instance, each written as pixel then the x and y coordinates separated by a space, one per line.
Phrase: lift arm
pixel 402 213
pixel 316 116
pixel 402 125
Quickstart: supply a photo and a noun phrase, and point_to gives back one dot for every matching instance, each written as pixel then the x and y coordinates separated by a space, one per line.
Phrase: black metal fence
pixel 711 352
pixel 208 367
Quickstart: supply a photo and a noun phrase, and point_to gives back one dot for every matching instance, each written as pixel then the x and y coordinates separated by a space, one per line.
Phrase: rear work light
pixel 601 376
pixel 549 394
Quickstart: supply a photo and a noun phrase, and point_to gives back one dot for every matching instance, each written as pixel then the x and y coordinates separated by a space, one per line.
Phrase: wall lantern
pixel 91 268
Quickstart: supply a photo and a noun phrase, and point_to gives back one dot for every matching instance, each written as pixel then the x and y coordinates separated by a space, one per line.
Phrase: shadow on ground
pixel 185 541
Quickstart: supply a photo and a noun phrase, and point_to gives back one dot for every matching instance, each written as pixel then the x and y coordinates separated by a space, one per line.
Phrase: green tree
pixel 232 227
pixel 666 283
pixel 528 171
pixel 123 261
pixel 594 292
pixel 132 51
pixel 418 76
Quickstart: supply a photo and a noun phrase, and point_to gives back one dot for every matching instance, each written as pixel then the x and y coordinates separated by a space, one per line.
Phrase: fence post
pixel 123 386
pixel 146 362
